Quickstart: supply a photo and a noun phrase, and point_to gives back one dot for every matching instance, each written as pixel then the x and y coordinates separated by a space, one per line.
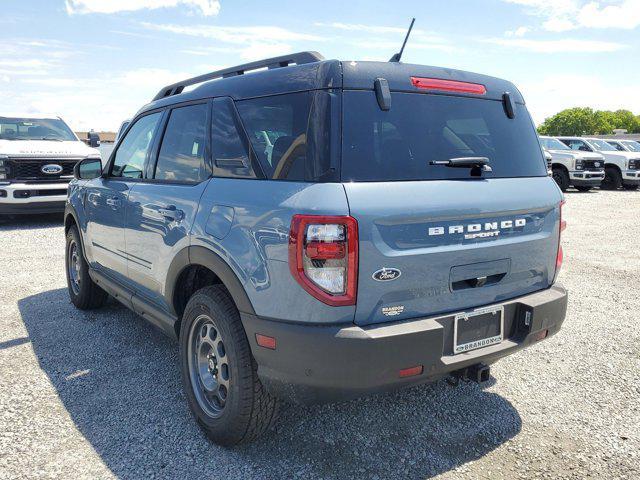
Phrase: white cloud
pixel 205 7
pixel 154 78
pixel 251 43
pixel 558 24
pixel 518 32
pixel 625 15
pixel 566 45
pixel 357 27
pixel 24 63
pixel 82 101
pixel 388 38
pixel 235 35
pixel 550 94
pixel 564 15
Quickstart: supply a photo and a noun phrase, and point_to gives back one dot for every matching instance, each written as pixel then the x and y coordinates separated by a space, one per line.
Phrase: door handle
pixel 113 202
pixel 171 212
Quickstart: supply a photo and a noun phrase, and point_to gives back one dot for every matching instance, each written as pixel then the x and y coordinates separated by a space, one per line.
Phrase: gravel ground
pixel 98 395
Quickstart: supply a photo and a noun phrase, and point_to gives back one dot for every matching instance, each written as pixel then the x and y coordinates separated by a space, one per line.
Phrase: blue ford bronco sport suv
pixel 318 230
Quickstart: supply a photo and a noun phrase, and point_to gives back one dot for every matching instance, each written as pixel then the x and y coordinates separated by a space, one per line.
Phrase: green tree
pixel 572 121
pixel 586 121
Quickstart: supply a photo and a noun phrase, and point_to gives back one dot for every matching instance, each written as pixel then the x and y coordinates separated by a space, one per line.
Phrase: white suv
pixel 37 156
pixel 583 170
pixel 622 169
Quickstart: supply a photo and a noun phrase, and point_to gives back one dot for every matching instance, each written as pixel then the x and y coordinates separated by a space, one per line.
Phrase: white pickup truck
pixel 622 169
pixel 37 156
pixel 580 169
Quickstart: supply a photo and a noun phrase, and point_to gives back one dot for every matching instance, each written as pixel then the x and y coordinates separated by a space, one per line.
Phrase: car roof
pixel 327 74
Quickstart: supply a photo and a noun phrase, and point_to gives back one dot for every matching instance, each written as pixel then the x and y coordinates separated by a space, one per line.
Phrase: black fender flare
pixel 70 212
pixel 195 255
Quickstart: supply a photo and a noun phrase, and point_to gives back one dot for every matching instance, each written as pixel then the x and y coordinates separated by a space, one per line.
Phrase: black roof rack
pixel 275 62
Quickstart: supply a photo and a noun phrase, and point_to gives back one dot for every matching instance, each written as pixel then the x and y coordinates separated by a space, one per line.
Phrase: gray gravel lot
pixel 98 395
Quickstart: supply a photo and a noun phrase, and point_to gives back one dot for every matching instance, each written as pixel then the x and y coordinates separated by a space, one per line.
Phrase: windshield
pixel 400 144
pixel 602 146
pixel 633 146
pixel 553 144
pixel 54 129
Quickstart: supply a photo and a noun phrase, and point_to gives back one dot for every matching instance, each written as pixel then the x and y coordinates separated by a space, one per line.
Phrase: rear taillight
pixel 323 257
pixel 560 254
pixel 448 85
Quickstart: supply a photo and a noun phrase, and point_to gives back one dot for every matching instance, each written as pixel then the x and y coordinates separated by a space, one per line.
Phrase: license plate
pixel 477 329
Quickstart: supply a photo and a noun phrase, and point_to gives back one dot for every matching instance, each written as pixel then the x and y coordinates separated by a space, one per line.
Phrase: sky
pixel 96 62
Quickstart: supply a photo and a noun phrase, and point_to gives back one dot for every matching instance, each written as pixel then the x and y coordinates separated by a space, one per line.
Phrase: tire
pixel 612 179
pixel 583 189
pixel 561 177
pixel 221 383
pixel 84 293
pixel 630 187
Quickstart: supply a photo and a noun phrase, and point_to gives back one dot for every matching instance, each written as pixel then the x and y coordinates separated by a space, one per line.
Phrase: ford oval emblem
pixel 597 164
pixel 51 169
pixel 386 274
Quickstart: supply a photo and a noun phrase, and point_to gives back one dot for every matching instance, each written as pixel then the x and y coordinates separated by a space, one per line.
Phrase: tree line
pixel 587 121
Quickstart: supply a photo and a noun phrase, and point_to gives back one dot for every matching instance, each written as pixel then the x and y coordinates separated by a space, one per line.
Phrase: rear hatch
pixel 435 239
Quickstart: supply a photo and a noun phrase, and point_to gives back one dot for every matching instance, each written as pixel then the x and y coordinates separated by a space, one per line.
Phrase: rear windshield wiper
pixel 476 164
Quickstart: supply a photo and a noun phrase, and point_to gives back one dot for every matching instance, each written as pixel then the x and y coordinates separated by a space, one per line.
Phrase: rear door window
pixel 400 143
pixel 181 156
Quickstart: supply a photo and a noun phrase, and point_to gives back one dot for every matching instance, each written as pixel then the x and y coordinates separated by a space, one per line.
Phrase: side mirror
pixel 94 139
pixel 87 169
pixel 584 149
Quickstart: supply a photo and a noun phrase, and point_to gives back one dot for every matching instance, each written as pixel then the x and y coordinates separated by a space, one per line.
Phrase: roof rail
pixel 270 63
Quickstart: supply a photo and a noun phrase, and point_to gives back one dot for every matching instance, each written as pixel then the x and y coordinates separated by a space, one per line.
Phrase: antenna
pixel 396 57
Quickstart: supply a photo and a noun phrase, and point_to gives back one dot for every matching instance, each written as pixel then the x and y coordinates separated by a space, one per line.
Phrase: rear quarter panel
pixel 247 222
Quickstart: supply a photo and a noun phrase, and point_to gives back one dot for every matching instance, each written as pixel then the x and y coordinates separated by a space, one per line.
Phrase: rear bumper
pixel 27 198
pixel 319 364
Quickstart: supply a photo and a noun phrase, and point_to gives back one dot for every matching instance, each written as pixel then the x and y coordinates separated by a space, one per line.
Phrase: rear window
pixel 398 144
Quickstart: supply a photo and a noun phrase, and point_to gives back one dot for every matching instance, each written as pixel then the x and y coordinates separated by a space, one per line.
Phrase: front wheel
pixel 219 373
pixel 561 177
pixel 83 291
pixel 612 179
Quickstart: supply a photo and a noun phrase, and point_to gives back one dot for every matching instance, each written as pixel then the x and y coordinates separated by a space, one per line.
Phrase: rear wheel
pixel 630 187
pixel 583 189
pixel 219 373
pixel 561 177
pixel 84 293
pixel 612 179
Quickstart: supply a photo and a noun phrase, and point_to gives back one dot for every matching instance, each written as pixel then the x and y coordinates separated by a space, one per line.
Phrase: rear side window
pixel 132 152
pixel 277 128
pixel 181 156
pixel 295 136
pixel 400 143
